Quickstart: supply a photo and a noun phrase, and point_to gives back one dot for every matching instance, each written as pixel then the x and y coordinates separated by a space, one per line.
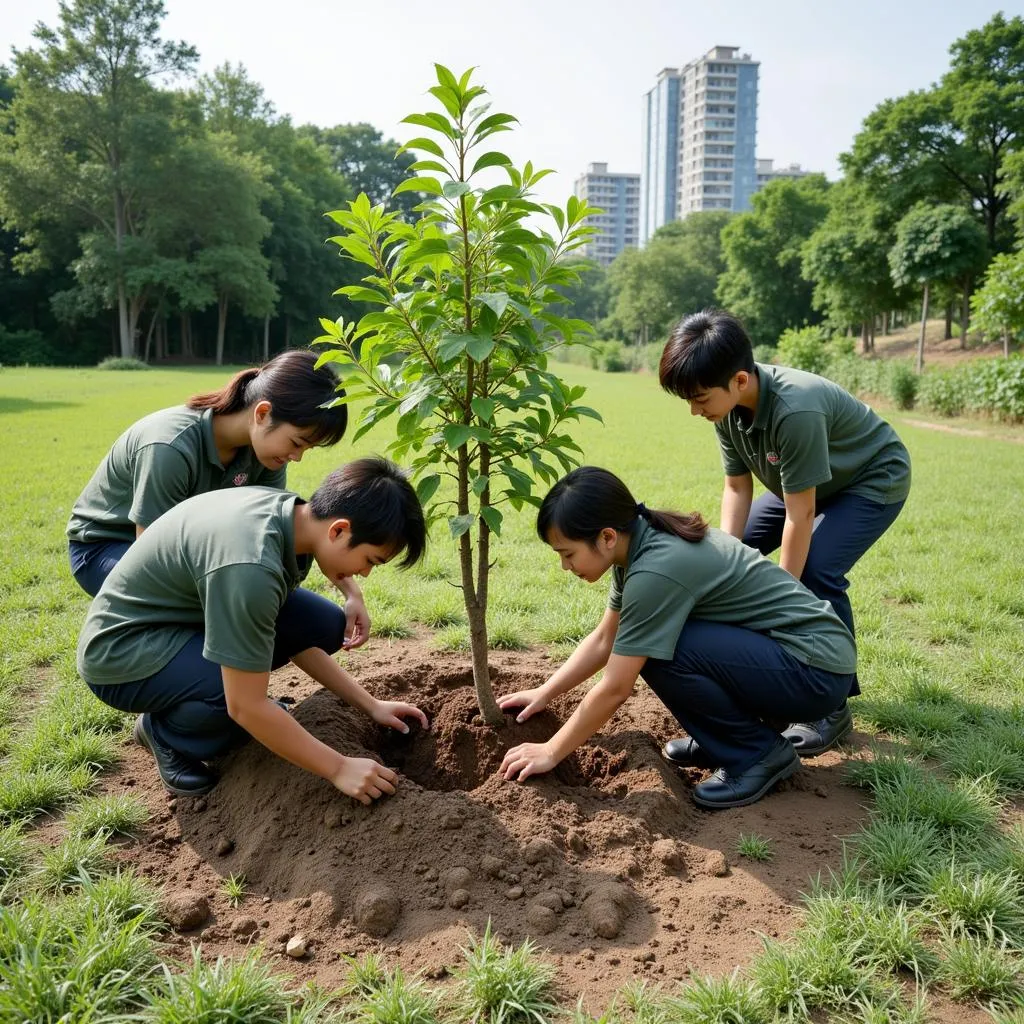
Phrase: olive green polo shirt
pixel 809 432
pixel 720 579
pixel 162 459
pixel 220 563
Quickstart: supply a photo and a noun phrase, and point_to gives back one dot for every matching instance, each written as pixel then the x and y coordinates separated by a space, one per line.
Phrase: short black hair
pixel 705 350
pixel 377 498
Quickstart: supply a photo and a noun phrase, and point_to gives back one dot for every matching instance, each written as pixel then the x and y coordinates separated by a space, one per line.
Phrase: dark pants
pixel 185 699
pixel 91 563
pixel 850 524
pixel 726 682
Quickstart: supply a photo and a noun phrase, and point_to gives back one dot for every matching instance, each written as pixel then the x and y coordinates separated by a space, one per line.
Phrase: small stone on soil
pixel 451 821
pixel 332 818
pixel 296 946
pixel 491 866
pixel 244 926
pixel 225 846
pixel 515 893
pixel 185 911
pixel 458 899
pixel 377 911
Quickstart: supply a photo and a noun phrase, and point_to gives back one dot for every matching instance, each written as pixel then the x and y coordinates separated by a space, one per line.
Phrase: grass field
pixel 931 895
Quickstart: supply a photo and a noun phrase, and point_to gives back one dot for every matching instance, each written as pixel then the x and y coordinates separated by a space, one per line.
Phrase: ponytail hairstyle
pixel 705 350
pixel 298 394
pixel 589 499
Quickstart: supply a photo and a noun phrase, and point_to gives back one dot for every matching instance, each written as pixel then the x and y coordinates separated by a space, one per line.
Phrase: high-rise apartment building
pixel 660 141
pixel 710 108
pixel 617 195
pixel 767 171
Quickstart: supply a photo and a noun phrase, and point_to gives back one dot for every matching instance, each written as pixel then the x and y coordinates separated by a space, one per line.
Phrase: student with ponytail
pixel 732 644
pixel 244 433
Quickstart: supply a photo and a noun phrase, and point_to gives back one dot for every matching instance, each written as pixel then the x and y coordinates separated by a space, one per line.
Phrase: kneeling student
pixel 727 640
pixel 188 625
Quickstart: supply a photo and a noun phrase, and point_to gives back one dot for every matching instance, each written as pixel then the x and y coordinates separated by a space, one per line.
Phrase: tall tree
pixel 89 123
pixel 935 244
pixel 949 143
pixel 763 281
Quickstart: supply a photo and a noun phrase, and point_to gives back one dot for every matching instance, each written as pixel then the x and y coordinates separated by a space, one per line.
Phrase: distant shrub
pixel 995 387
pixel 903 384
pixel 613 357
pixel 803 349
pixel 21 348
pixel 122 363
pixel 764 353
pixel 943 392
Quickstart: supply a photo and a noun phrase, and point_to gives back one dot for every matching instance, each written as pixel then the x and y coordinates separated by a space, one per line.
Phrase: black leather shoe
pixel 812 738
pixel 725 790
pixel 685 752
pixel 179 774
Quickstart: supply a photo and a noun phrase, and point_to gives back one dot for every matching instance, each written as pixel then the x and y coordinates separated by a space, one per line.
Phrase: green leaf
pixel 438 122
pixel 456 435
pixel 429 185
pixel 499 194
pixel 449 97
pixel 480 485
pixel 479 348
pixel 585 410
pixel 498 301
pixel 359 293
pixel 492 159
pixel 492 517
pixel 454 189
pixel 445 77
pixel 453 345
pixel 427 486
pixel 427 145
pixel 495 123
pixel 428 165
pixel 460 524
pixel 484 408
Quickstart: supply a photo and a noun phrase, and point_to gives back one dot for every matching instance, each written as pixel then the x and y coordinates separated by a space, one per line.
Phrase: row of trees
pixel 931 204
pixel 154 214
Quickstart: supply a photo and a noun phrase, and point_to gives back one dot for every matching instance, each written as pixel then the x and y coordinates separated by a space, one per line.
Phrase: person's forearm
pixel 594 711
pixel 330 675
pixel 736 502
pixel 279 732
pixel 591 656
pixel 796 543
pixel 350 589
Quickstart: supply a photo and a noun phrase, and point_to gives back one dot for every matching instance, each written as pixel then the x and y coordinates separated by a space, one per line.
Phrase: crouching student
pixel 727 640
pixel 191 620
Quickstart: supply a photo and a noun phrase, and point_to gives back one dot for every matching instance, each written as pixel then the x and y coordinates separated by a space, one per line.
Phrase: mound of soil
pixel 606 862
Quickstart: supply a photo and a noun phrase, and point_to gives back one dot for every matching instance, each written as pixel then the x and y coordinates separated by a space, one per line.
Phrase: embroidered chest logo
pixel 240 479
pixel 773 458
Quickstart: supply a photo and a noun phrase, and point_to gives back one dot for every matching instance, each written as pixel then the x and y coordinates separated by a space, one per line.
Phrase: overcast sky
pixel 572 72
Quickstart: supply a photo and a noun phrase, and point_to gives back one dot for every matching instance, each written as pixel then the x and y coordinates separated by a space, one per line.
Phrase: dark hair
pixel 589 499
pixel 375 496
pixel 705 350
pixel 298 394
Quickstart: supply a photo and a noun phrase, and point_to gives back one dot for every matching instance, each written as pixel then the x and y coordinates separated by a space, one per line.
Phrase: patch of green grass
pixel 390 624
pixel 965 807
pixel 397 999
pixel 440 611
pixel 14 852
pixel 973 901
pixel 108 815
pixel 503 985
pixel 451 638
pixel 235 887
pixel 981 967
pixel 363 976
pixel 27 793
pixel 718 1001
pixel 900 853
pixel 65 865
pixel 754 846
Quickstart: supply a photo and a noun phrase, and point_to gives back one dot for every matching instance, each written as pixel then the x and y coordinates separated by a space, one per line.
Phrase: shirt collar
pixel 636 540
pixel 296 567
pixel 209 443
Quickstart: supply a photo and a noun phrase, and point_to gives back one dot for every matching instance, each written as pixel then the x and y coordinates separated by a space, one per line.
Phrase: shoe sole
pixel 140 737
pixel 815 751
pixel 714 805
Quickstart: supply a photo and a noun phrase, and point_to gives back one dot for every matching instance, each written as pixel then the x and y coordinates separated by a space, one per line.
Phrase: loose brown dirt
pixel 606 862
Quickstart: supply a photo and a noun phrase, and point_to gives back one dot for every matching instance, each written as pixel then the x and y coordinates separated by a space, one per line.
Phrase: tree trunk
pixel 149 333
pixel 865 337
pixel 127 339
pixel 266 338
pixel 965 313
pixel 949 322
pixel 1006 343
pixel 924 324
pixel 287 333
pixel 222 321
pixel 885 324
pixel 871 335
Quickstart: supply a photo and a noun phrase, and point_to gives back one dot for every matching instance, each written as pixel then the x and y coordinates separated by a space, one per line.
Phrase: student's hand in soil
pixel 364 780
pixel 525 760
pixel 357 624
pixel 531 701
pixel 391 713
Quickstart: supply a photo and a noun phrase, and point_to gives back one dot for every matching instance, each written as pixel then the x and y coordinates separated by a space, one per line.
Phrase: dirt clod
pixel 541 919
pixel 716 864
pixel 457 878
pixel 244 926
pixel 225 846
pixel 491 866
pixel 605 910
pixel 667 852
pixel 377 911
pixel 459 898
pixel 538 850
pixel 185 911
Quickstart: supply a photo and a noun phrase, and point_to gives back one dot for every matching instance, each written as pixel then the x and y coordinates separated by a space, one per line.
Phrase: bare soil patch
pixel 605 862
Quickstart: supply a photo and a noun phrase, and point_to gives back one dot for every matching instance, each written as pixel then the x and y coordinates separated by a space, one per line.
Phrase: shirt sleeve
pixel 240 608
pixel 803 451
pixel 732 464
pixel 161 479
pixel 615 591
pixel 654 610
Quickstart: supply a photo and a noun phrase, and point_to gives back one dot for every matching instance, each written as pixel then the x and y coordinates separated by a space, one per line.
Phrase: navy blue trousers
pixel 91 563
pixel 850 524
pixel 725 684
pixel 185 699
